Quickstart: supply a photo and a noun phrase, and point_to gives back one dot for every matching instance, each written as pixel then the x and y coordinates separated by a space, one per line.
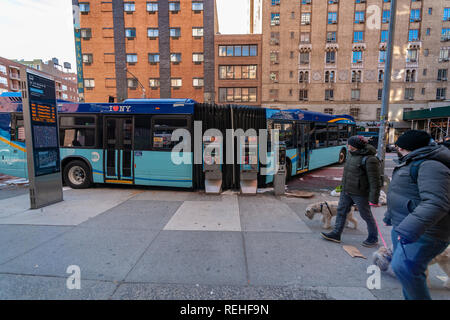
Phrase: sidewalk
pixel 145 244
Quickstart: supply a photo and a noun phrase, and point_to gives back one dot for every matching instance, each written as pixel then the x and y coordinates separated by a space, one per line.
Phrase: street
pixel 142 243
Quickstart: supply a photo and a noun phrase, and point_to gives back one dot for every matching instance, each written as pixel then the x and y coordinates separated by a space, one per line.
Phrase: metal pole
pixel 386 89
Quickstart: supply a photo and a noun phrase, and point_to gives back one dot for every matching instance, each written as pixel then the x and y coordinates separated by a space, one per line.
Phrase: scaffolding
pixel 436 121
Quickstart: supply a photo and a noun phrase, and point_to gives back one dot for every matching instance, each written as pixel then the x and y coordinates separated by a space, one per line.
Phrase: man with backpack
pixel 418 209
pixel 361 185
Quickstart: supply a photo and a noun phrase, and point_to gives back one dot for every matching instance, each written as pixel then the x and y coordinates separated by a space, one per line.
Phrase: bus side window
pixel 142 133
pixel 321 135
pixel 77 131
pixel 332 135
pixel 163 129
pixel 343 134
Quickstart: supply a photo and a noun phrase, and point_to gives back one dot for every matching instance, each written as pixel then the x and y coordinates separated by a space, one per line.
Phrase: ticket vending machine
pixel 279 179
pixel 212 165
pixel 249 166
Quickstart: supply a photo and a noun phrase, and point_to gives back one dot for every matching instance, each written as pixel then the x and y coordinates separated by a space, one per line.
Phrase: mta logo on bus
pixel 120 108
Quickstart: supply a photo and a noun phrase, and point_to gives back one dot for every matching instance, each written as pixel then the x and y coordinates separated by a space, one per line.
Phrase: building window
pixel 238 51
pixel 305 37
pixel 331 57
pixel 152 7
pixel 445 34
pixel 415 15
pixel 329 94
pixel 86 33
pixel 237 94
pixel 357 57
pixel 89 83
pixel 359 17
pixel 130 33
pixel 409 93
pixel 153 33
pixel 382 56
pixel 274 57
pixel 131 58
pixel 411 56
pixel 380 75
pixel 197 6
pixel 197 82
pixel 197 32
pixel 132 83
pixel 237 72
pixel 274 19
pixel 304 57
pixel 303 95
pixel 413 35
pixel 128 7
pixel 174 7
pixel 446 16
pixel 410 76
pixel 331 37
pixel 441 93
pixel 273 94
pixel 153 57
pixel 274 38
pixel 154 83
pixel 354 112
pixel 380 94
pixel 384 35
pixel 197 57
pixel 175 57
pixel 330 76
pixel 305 18
pixel 356 94
pixel 175 32
pixel 84 7
pixel 88 58
pixel 275 2
pixel 274 76
pixel 328 110
pixel 358 36
pixel 442 74
pixel 303 77
pixel 386 16
pixel 332 17
pixel 175 82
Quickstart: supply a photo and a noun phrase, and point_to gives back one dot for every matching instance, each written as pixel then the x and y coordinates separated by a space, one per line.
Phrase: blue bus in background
pixel 130 143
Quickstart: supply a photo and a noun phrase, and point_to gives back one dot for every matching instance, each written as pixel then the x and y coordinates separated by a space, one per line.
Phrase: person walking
pixel 418 203
pixel 361 183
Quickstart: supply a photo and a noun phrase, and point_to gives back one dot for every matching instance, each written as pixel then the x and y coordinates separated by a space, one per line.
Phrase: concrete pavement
pixel 147 244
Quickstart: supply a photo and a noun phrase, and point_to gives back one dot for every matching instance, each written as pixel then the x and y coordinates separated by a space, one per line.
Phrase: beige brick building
pixel 329 56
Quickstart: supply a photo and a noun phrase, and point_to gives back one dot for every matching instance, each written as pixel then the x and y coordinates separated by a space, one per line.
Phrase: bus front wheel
pixel 342 156
pixel 77 175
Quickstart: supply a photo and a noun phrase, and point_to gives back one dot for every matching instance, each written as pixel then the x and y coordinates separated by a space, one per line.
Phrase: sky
pixel 43 29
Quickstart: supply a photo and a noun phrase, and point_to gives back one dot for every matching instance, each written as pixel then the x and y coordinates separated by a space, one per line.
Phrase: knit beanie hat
pixel 413 139
pixel 359 142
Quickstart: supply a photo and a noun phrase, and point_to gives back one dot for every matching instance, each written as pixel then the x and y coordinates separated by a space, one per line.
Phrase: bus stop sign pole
pixel 386 89
pixel 41 137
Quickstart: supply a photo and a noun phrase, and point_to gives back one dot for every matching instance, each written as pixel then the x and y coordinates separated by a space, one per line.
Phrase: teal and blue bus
pixel 130 143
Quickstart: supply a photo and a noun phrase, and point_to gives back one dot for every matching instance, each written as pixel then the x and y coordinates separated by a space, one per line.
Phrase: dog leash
pixel 379 232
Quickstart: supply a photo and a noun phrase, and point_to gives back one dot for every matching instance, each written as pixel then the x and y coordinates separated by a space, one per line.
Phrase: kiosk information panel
pixel 41 128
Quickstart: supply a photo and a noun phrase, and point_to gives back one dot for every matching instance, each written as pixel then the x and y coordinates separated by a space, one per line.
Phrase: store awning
pixel 432 113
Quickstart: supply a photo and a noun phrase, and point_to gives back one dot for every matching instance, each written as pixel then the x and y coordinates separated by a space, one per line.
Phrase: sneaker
pixel 332 236
pixel 370 243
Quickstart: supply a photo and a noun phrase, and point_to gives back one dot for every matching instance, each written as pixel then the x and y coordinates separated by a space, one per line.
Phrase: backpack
pixel 413 170
pixel 363 166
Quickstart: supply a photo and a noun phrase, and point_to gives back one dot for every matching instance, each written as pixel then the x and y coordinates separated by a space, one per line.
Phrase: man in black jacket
pixel 361 185
pixel 419 209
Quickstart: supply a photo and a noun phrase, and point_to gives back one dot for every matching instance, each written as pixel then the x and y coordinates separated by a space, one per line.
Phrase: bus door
pixel 303 146
pixel 118 150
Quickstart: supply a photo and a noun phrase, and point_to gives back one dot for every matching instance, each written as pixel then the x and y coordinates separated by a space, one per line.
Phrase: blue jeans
pixel 410 269
pixel 345 204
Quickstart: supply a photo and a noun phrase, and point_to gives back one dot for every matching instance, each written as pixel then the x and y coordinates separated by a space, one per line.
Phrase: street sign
pixel 42 140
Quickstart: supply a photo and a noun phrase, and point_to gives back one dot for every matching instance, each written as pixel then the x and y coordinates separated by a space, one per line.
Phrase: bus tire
pixel 342 156
pixel 77 175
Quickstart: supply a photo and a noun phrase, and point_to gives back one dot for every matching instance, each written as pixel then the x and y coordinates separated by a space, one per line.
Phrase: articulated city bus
pixel 130 143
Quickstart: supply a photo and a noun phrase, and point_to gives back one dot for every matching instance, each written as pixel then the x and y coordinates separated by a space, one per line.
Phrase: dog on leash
pixel 328 209
pixel 383 256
